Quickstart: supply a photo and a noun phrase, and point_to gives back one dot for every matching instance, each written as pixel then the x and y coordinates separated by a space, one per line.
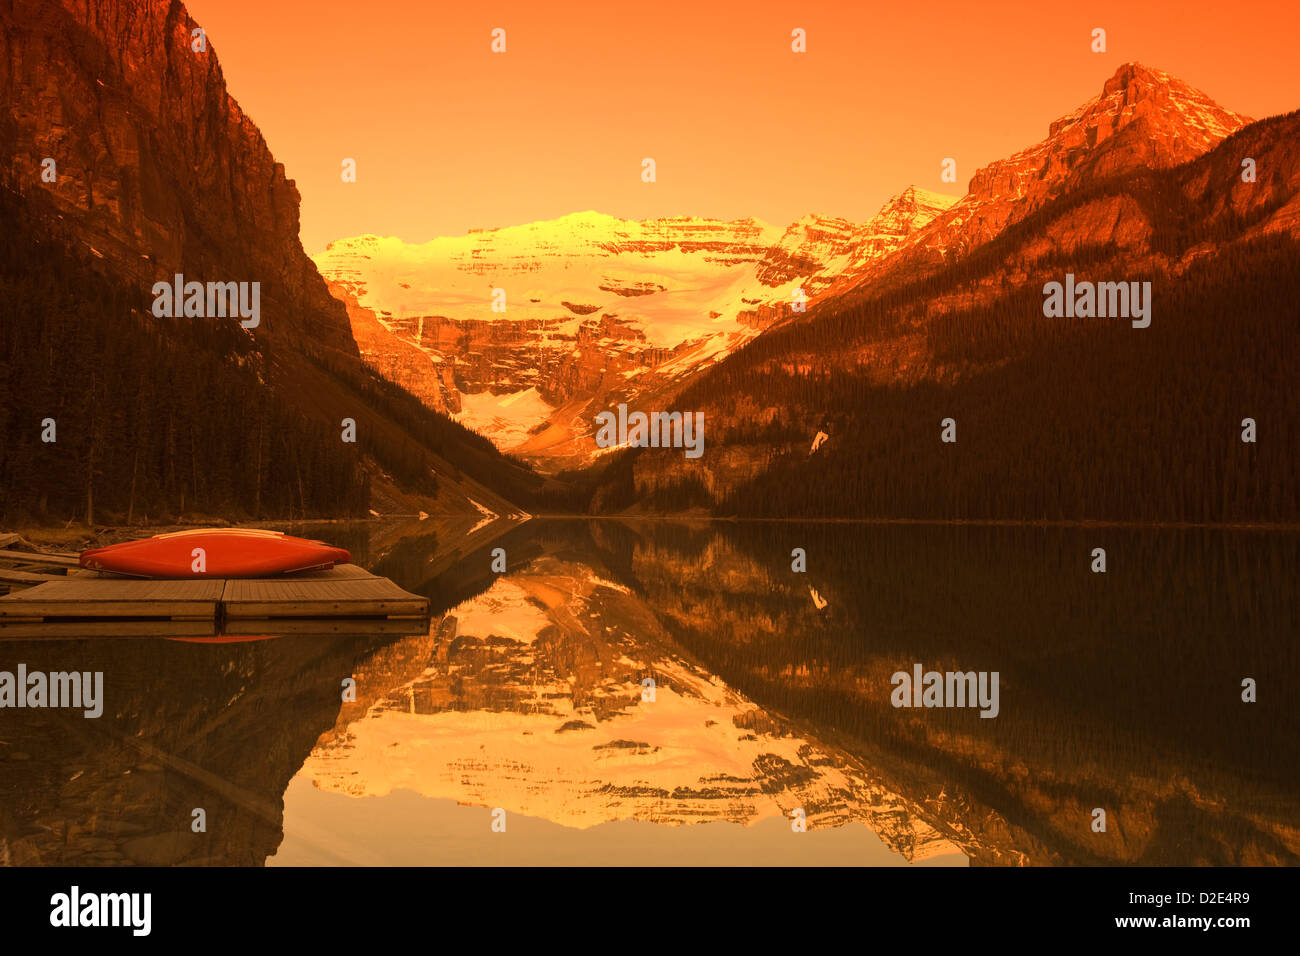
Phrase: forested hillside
pixel 159 418
pixel 1086 420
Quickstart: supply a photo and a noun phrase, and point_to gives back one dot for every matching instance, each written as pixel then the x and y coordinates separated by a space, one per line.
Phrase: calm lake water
pixel 528 703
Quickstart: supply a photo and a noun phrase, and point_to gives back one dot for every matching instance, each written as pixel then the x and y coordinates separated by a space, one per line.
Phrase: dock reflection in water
pixel 530 695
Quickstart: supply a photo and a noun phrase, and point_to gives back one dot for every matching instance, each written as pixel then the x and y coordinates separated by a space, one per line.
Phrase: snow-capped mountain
pixel 599 310
pixel 591 309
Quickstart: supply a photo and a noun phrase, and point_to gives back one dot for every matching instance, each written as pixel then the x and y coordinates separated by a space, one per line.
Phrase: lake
pixel 657 692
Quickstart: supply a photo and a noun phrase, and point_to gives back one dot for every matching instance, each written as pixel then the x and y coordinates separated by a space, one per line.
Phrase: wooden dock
pixel 343 593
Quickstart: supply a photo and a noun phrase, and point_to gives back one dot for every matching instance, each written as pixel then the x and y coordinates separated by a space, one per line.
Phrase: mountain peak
pixel 914 197
pixel 1139 78
pixel 586 217
pixel 1143 119
pixel 1156 103
pixel 1134 73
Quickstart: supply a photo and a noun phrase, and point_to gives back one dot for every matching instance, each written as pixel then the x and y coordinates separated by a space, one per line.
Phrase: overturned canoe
pixel 214 553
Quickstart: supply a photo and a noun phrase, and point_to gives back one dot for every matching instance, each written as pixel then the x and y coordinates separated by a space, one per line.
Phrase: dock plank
pixel 26 577
pixel 343 595
pixel 38 557
pixel 109 597
pixel 340 572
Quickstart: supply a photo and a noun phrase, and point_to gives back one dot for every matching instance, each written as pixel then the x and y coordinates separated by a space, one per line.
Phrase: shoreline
pixel 78 537
pixel 686 518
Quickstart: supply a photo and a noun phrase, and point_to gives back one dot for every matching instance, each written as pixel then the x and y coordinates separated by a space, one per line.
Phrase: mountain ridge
pixel 876 374
pixel 1143 118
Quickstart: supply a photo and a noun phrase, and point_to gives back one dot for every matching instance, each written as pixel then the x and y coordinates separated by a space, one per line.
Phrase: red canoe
pixel 214 553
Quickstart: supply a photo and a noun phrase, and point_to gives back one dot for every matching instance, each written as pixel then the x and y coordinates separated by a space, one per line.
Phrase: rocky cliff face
pixel 596 310
pixel 118 132
pixel 158 169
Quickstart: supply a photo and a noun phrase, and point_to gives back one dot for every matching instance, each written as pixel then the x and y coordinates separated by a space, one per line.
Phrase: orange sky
pixel 448 136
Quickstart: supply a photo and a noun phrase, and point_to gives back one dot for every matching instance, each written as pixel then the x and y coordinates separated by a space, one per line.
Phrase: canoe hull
pixel 214 553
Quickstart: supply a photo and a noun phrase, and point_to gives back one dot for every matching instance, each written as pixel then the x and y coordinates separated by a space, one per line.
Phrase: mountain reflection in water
pixel 771 692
